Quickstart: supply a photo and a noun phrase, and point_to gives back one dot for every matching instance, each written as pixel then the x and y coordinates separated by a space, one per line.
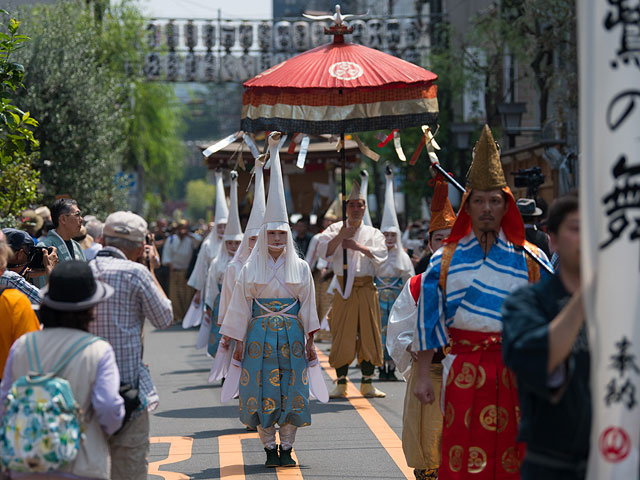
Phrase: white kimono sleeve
pixel 376 245
pixel 238 315
pixel 199 274
pixel 400 329
pixel 306 292
pixel 228 284
pixel 211 289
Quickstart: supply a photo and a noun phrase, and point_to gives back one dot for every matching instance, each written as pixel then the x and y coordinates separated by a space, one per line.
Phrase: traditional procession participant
pixel 271 315
pixel 462 292
pixel 212 243
pixel 322 272
pixel 209 250
pixel 248 241
pixel 421 423
pixel 392 274
pixel 355 313
pixel 231 241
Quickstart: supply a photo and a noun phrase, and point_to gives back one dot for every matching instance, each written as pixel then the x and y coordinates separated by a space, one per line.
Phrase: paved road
pixel 355 438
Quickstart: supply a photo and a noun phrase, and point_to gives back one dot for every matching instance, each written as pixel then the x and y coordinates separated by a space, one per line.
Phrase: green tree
pixel 200 198
pixel 18 147
pixel 75 96
pixel 155 118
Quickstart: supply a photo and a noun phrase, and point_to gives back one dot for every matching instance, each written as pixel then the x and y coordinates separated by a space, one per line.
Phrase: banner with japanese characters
pixel 609 62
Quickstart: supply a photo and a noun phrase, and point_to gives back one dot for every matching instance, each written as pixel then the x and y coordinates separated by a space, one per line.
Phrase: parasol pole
pixel 343 162
pixel 436 166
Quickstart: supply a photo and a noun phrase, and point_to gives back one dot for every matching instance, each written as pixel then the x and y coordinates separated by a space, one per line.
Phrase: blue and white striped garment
pixel 476 287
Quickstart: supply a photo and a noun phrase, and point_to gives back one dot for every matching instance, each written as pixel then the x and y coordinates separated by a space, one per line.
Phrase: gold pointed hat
pixel 356 193
pixel 486 172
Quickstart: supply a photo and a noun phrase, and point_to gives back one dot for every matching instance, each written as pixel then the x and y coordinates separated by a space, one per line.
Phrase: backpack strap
pixel 32 354
pixel 72 351
pixel 533 269
pixel 447 254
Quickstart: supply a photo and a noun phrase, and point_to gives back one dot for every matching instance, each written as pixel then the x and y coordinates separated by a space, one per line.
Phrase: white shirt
pixel 178 252
pixel 359 265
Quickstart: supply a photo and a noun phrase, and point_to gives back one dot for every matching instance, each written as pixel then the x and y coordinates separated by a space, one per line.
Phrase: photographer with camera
pixel 67 222
pixel 127 263
pixel 26 261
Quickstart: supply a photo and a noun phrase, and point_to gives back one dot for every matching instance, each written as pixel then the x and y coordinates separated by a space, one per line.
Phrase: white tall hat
pixel 389 217
pixel 233 230
pixel 257 210
pixel 256 216
pixel 259 269
pixel 276 210
pixel 364 186
pixel 222 210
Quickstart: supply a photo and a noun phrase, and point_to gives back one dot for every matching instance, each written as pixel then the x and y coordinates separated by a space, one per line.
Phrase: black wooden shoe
pixel 285 458
pixel 272 457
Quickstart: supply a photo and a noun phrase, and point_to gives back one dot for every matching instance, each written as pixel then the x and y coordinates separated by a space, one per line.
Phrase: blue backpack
pixel 41 428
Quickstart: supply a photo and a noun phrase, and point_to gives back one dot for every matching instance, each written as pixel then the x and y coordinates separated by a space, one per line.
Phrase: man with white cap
pixel 392 274
pixel 119 320
pixel 272 316
pixel 231 238
pixel 355 313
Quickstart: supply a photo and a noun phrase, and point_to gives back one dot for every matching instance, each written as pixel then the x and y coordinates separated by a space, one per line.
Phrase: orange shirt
pixel 16 318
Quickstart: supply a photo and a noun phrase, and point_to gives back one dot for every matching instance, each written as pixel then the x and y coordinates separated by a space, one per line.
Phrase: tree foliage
pixel 200 197
pixel 18 147
pixel 75 97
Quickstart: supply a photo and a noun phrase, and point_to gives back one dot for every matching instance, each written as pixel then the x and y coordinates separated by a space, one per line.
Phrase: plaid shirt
pixel 15 280
pixel 120 319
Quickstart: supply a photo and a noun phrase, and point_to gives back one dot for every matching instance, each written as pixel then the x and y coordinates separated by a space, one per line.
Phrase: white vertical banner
pixel 609 60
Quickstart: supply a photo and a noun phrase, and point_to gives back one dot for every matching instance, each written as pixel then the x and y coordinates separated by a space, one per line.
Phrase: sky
pixel 239 9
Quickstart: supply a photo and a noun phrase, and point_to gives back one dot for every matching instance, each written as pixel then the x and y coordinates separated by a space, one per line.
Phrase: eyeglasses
pixel 74 214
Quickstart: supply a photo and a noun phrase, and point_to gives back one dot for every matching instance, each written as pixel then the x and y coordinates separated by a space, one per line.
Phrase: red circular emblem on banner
pixel 615 444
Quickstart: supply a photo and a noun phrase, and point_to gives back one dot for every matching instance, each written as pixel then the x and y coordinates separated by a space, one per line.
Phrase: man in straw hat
pixel 392 274
pixel 421 423
pixel 272 316
pixel 355 313
pixel 463 289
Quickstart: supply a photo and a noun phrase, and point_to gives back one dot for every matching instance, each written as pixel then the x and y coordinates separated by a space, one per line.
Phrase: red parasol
pixel 337 88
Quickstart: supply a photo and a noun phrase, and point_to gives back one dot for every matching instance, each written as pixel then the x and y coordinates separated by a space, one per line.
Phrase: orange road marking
pixel 290 473
pixel 376 423
pixel 232 460
pixel 230 453
pixel 179 451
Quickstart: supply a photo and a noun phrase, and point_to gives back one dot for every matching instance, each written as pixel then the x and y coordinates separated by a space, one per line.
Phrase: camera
pixel 529 178
pixel 36 257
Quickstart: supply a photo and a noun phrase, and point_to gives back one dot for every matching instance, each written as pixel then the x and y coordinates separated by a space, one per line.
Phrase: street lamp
pixel 511 114
pixel 461 139
pixel 462 134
